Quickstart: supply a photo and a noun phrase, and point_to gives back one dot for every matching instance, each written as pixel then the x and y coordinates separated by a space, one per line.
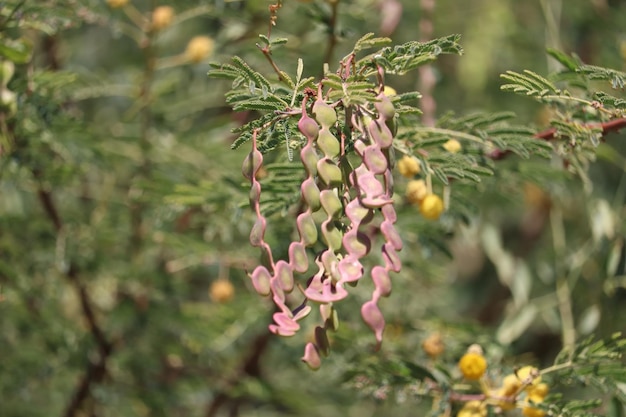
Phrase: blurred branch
pixel 551 133
pixel 95 370
pixel 332 32
pixel 250 367
pixel 427 79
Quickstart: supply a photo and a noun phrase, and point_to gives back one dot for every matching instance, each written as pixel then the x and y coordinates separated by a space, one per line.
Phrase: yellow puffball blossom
pixel 416 190
pixel 116 4
pixel 162 17
pixel 529 375
pixel 221 291
pixel 511 384
pixel 431 207
pixel 473 409
pixel 529 411
pixel 408 166
pixel 452 146
pixel 199 48
pixel 433 345
pixel 539 390
pixel 473 365
pixel 389 91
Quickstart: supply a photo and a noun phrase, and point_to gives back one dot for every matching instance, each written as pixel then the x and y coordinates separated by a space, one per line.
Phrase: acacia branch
pixel 551 134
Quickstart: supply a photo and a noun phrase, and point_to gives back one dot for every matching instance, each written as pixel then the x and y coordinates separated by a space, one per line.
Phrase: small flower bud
pixel 221 291
pixel 408 166
pixel 416 191
pixel 162 17
pixel 433 345
pixel 116 4
pixel 199 48
pixel 452 146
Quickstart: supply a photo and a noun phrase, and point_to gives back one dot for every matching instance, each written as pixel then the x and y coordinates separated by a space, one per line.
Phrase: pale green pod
pixel 331 203
pixel 328 143
pixel 310 194
pixel 307 228
pixel 385 107
pixel 324 113
pixel 332 236
pixel 309 158
pixel 329 172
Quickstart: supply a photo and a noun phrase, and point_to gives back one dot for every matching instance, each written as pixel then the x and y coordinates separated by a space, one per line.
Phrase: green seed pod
pixel 258 231
pixel 332 236
pixel 329 172
pixel 324 113
pixel 298 258
pixel 321 340
pixel 380 133
pixel 310 194
pixel 375 160
pixel 312 357
pixel 307 229
pixel 309 159
pixel 330 317
pixel 251 164
pixel 328 143
pixel 261 280
pixel 385 107
pixel 308 127
pixel 331 203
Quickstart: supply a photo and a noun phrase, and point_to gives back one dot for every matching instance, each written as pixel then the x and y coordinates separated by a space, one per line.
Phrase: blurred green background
pixel 122 206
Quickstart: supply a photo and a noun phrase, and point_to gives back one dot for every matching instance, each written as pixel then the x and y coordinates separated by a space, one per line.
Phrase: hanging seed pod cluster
pixel 345 215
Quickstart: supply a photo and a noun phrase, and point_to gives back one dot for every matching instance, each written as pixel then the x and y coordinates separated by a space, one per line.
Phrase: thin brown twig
pixel 332 32
pixel 551 134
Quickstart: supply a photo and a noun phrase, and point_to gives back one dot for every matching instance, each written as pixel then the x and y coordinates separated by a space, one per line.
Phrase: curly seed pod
pixel 298 259
pixel 329 172
pixel 331 203
pixel 384 107
pixel 311 194
pixel 312 357
pixel 325 115
pixel 261 280
pixel 321 341
pixel 380 133
pixel 328 143
pixel 329 316
pixel 382 282
pixel 331 235
pixel 307 229
pixel 258 232
pixel 307 125
pixel 252 164
pixel 374 319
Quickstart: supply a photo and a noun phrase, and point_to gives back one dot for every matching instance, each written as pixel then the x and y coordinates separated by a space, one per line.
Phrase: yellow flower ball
pixel 221 291
pixel 415 191
pixel 539 390
pixel 473 409
pixel 452 146
pixel 473 366
pixel 433 345
pixel 511 385
pixel 529 411
pixel 162 17
pixel 199 48
pixel 116 4
pixel 408 166
pixel 529 375
pixel 431 207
